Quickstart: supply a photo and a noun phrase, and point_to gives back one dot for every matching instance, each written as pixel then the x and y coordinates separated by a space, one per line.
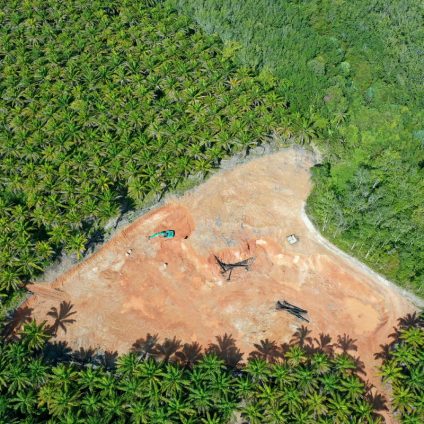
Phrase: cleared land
pixel 175 288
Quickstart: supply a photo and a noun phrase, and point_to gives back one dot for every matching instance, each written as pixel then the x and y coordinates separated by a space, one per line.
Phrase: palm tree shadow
pixel 411 320
pixel 84 356
pixel 58 351
pixel 284 348
pixel 267 350
pixel 323 344
pixel 226 349
pixel 145 347
pixel 189 355
pixel 404 323
pixel 359 364
pixel 301 337
pixel 385 352
pixel 96 238
pixel 107 359
pixel 166 351
pixel 346 344
pixel 16 320
pixel 378 401
pixel 61 317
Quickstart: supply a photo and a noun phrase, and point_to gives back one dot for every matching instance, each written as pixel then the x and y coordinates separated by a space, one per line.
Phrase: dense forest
pixel 353 71
pixel 305 381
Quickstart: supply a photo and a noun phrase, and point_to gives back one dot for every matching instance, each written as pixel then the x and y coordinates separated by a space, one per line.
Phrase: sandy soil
pixel 174 287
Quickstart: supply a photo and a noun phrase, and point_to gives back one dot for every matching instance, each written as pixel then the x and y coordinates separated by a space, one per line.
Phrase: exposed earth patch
pixel 174 287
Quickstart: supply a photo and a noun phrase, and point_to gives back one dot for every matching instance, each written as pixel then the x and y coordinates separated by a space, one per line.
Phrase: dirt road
pixel 375 277
pixel 133 285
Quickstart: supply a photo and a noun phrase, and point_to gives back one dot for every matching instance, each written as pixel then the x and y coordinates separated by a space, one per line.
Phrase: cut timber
pixel 46 291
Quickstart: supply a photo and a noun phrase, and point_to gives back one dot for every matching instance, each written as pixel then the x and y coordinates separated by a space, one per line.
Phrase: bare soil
pixel 175 288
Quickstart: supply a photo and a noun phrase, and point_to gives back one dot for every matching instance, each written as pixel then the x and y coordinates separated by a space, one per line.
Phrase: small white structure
pixel 292 239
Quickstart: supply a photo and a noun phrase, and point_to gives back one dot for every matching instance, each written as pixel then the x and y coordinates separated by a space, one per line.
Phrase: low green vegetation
pixel 304 381
pixel 105 106
pixel 353 72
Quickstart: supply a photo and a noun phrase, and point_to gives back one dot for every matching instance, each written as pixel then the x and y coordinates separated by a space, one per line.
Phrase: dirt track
pixel 174 287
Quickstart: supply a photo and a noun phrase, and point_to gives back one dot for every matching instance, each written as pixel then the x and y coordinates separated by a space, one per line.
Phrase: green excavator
pixel 168 234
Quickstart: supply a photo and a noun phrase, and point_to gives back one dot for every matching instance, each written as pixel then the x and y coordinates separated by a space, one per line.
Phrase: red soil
pixel 174 287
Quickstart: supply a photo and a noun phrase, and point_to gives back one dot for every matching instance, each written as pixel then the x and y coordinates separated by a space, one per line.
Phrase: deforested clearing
pixel 133 286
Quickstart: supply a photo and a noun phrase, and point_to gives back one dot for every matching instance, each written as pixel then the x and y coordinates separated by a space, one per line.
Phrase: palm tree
pixel 257 369
pixel 345 363
pixel 267 395
pixel 174 380
pixel 113 408
pixel 226 407
pixel 64 376
pixel 416 379
pixel 17 378
pixel 35 335
pixel 330 383
pixel 214 419
pixel 88 379
pixel 253 413
pixel 412 336
pixel 91 404
pixel 210 365
pixel 9 280
pixel 76 242
pixel 128 364
pixel 139 412
pixel 200 399
pixel 37 371
pixel 61 402
pixel 317 404
pixel 151 374
pixel 295 356
pixel 338 408
pixel 320 363
pixel 292 398
pixel 282 374
pixel 306 383
pixel 391 371
pixel 275 414
pixel 403 399
pixel 353 387
pixel 221 384
pixel 404 354
pixel 178 409
pixel 364 410
pixel 25 402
